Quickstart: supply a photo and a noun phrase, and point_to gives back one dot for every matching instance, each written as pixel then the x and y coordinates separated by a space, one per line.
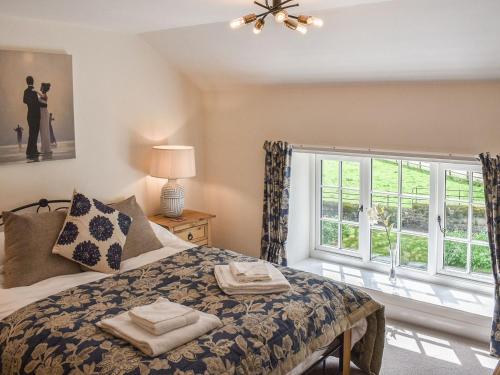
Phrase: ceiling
pixel 362 40
pixel 138 16
pixel 400 40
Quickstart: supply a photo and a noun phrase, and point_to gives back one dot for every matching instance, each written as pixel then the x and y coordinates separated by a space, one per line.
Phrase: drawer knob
pixel 190 236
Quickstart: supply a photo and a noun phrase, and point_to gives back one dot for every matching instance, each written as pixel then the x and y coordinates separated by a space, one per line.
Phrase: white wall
pixel 127 98
pixel 299 224
pixel 449 117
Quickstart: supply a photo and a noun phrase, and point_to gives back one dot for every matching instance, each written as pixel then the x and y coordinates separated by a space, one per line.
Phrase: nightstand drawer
pixel 182 228
pixel 193 234
pixel 192 226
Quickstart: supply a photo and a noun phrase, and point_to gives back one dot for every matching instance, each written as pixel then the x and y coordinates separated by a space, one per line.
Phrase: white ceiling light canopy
pixel 279 9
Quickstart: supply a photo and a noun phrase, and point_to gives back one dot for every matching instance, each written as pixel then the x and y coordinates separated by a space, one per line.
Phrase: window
pixel 402 188
pixel 465 250
pixel 340 204
pixel 415 194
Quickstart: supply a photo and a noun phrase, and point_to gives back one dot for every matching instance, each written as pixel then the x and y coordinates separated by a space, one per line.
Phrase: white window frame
pixel 443 167
pixel 399 231
pixel 318 219
pixel 435 272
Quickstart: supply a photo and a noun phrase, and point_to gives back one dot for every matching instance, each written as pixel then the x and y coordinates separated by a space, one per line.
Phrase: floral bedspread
pixel 262 334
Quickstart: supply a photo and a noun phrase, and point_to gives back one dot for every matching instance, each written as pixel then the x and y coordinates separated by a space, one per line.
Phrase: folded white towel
pixel 247 272
pixel 230 285
pixel 163 316
pixel 122 327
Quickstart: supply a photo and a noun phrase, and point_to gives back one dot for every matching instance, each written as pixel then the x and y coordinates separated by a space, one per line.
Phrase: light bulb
pixel 291 24
pixel 301 29
pixel 281 16
pixel 305 20
pixel 237 23
pixel 318 22
pixel 259 25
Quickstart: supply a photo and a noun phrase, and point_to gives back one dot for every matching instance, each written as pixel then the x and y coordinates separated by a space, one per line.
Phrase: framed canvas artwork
pixel 36 107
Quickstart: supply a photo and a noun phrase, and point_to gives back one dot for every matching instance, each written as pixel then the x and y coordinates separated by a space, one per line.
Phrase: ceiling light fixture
pixel 278 9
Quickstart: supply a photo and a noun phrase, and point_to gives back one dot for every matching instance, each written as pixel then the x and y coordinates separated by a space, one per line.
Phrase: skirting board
pixel 455 322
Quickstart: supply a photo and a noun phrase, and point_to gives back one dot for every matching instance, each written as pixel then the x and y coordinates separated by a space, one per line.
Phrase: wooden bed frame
pixel 340 348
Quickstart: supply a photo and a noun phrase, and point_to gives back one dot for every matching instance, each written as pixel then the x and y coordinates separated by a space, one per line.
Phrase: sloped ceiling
pixel 138 16
pixel 362 40
pixel 394 40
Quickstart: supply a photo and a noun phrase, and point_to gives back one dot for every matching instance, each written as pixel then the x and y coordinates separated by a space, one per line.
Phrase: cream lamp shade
pixel 173 162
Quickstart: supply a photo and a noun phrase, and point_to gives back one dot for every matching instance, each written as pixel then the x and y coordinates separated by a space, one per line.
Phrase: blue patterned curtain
pixel 276 194
pixel 491 174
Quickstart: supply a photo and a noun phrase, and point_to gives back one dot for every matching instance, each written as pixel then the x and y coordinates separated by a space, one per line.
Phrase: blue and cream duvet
pixel 262 334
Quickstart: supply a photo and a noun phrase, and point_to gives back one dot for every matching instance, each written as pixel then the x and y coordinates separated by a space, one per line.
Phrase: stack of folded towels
pixel 160 327
pixel 250 278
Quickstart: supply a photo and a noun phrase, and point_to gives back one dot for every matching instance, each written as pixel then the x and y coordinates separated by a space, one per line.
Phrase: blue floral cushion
pixel 93 234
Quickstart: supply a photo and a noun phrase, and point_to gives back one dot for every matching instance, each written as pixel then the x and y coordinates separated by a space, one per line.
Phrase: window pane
pixel 329 233
pixel 457 185
pixel 477 188
pixel 330 203
pixel 416 177
pixel 385 175
pixel 455 255
pixel 350 174
pixel 380 245
pixel 350 237
pixel 350 205
pixel 457 217
pixel 481 259
pixel 330 172
pixel 414 250
pixel 479 228
pixel 415 215
pixel 390 205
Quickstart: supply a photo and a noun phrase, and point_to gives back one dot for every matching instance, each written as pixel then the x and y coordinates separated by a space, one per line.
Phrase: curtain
pixel 491 174
pixel 276 194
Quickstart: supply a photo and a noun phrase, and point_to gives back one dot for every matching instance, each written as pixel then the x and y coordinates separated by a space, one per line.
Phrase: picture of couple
pixel 38 119
pixel 35 87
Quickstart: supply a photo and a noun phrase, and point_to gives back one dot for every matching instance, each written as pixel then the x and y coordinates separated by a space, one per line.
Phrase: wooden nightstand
pixel 192 226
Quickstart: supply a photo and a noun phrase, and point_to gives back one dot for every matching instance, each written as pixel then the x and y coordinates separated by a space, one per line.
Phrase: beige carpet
pixel 418 351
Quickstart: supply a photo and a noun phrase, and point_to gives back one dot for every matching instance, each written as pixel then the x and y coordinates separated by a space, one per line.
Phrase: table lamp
pixel 172 163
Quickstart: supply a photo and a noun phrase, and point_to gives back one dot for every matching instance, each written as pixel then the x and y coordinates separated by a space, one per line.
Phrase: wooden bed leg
pixel 346 353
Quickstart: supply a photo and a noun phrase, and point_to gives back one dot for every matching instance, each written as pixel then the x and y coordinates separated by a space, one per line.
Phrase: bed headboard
pixel 42 203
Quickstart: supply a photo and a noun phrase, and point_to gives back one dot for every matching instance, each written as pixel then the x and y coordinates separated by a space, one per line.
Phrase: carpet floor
pixel 412 350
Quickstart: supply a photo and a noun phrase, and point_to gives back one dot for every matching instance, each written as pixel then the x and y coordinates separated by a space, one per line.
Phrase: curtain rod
pixel 468 159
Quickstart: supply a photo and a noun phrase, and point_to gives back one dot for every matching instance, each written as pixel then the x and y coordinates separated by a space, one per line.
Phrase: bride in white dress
pixel 44 119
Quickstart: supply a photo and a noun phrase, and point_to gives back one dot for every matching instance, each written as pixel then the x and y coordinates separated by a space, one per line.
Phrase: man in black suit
pixel 31 100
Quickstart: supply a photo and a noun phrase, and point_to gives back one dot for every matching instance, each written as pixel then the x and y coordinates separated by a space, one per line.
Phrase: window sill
pixel 448 280
pixel 479 304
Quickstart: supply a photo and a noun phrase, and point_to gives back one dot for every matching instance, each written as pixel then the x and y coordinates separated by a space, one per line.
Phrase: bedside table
pixel 192 226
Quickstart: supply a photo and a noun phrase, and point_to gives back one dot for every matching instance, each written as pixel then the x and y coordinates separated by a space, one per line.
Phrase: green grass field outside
pixel 415 182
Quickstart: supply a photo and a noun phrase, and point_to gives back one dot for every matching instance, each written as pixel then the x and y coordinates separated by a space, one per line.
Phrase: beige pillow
pixel 93 235
pixel 29 239
pixel 141 237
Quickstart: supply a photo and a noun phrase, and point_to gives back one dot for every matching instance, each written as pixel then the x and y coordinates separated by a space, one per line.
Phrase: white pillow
pixel 168 239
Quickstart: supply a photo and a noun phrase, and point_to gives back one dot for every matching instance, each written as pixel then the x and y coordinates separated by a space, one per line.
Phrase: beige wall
pixel 126 99
pixel 462 118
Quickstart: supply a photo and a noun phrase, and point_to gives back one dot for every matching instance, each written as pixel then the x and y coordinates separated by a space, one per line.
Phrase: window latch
pixel 443 230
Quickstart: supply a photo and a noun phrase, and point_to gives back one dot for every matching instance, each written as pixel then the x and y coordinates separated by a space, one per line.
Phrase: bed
pixel 50 327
